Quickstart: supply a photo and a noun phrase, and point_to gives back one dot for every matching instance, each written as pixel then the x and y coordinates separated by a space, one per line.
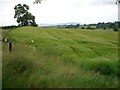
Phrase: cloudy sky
pixel 62 11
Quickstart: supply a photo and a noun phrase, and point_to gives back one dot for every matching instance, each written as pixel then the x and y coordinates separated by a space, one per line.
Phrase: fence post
pixel 10 46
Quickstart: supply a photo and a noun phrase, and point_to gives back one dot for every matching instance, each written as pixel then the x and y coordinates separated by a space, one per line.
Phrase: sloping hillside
pixel 51 57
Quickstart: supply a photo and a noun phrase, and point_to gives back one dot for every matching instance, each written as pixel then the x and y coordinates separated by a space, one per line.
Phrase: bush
pixel 104 28
pixel 9 27
pixel 83 28
pixel 115 28
pixel 89 27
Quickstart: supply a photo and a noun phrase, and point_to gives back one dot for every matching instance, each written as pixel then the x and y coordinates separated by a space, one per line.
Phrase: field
pixel 52 57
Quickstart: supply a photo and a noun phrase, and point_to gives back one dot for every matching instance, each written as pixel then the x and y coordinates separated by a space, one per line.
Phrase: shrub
pixel 115 28
pixel 89 27
pixel 104 28
pixel 9 27
pixel 83 28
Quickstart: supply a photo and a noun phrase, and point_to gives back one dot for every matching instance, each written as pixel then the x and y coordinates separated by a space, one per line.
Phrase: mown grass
pixel 61 58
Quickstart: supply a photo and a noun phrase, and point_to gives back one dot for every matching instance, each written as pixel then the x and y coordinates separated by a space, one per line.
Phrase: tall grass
pixel 61 58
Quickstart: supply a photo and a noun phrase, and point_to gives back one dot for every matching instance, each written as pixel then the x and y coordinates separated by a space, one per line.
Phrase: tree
pixel 24 18
pixel 89 27
pixel 77 26
pixel 37 1
pixel 115 28
pixel 83 28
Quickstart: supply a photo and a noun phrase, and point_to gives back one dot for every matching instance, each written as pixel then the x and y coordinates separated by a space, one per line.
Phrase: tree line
pixel 101 25
pixel 109 25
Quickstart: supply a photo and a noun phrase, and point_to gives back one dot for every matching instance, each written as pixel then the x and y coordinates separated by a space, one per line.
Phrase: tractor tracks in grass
pixel 62 38
pixel 73 44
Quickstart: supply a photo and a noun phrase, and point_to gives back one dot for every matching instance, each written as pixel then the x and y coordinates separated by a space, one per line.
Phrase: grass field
pixel 60 58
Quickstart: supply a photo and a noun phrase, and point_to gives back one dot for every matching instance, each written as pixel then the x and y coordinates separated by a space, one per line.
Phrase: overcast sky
pixel 62 11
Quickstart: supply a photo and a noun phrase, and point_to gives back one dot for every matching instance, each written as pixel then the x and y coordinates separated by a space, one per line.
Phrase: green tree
pixel 77 26
pixel 115 28
pixel 24 18
pixel 83 28
pixel 37 1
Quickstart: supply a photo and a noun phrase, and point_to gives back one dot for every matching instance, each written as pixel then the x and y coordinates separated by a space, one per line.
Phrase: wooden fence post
pixel 10 46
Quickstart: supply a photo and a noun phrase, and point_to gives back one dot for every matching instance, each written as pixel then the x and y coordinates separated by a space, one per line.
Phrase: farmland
pixel 71 58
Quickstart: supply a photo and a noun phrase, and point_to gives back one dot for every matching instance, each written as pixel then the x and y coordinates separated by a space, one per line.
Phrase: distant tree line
pixel 9 27
pixel 101 25
pixel 65 26
pixel 72 26
pixel 109 25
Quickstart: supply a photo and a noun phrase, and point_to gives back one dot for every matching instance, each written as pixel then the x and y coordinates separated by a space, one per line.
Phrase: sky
pixel 62 11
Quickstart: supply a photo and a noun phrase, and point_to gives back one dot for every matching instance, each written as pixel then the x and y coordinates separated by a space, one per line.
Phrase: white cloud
pixel 60 11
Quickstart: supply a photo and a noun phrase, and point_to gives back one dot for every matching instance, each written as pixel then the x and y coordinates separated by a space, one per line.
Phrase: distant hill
pixel 67 23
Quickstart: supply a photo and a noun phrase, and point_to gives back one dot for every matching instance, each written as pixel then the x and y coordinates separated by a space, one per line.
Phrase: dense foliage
pixel 101 25
pixel 24 18
pixel 9 27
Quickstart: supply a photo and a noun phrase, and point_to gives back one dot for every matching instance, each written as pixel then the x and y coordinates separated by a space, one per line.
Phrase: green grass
pixel 60 58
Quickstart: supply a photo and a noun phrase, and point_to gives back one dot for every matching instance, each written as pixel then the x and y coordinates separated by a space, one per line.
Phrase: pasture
pixel 62 58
